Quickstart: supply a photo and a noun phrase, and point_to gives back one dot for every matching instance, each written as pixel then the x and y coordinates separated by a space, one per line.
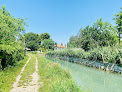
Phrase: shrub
pixel 118 57
pixel 105 54
pixel 10 54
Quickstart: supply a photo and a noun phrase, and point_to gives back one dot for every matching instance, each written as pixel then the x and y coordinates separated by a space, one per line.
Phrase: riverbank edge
pixel 109 67
pixel 54 78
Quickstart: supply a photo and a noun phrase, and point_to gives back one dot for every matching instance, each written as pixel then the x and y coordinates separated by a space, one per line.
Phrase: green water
pixel 93 79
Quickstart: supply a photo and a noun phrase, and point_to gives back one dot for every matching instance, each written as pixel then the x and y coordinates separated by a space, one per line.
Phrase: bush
pixel 105 54
pixel 11 29
pixel 118 57
pixel 10 54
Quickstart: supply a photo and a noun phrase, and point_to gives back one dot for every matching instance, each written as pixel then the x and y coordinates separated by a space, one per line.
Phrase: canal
pixel 91 78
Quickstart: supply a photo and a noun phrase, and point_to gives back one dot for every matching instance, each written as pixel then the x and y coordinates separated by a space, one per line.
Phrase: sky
pixel 62 18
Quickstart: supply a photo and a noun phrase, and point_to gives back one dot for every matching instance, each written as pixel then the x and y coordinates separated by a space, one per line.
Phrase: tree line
pixel 35 41
pixel 100 34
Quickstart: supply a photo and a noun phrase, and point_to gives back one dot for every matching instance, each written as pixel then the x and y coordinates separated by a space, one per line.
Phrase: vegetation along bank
pixel 105 58
pixel 100 46
pixel 54 78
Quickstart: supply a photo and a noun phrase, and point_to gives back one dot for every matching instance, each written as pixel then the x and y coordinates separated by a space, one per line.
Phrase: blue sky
pixel 62 18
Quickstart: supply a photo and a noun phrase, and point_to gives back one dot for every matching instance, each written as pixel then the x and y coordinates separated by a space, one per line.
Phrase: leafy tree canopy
pixel 31 41
pixel 100 34
pixel 48 44
pixel 118 18
pixel 11 48
pixel 44 36
pixel 10 27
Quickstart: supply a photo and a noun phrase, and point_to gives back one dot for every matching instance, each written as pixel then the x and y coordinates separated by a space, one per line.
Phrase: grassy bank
pixel 8 76
pixel 54 78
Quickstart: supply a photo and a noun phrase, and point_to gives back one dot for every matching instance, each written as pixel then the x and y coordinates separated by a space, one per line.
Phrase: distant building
pixel 59 47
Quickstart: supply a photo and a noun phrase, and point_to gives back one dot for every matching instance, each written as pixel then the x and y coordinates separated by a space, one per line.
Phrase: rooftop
pixel 60 46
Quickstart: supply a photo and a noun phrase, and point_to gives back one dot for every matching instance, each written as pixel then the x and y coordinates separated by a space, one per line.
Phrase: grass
pixel 8 76
pixel 28 71
pixel 54 78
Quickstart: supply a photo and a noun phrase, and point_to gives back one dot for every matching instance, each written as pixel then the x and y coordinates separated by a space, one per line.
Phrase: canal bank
pixel 91 78
pixel 110 67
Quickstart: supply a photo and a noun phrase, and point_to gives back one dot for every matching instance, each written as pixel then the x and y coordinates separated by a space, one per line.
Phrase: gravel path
pixel 33 86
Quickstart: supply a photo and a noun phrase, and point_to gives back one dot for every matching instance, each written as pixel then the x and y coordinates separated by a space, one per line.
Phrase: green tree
pixel 100 34
pixel 86 40
pixel 73 42
pixel 32 41
pixel 118 18
pixel 49 44
pixel 44 36
pixel 104 33
pixel 11 48
pixel 10 27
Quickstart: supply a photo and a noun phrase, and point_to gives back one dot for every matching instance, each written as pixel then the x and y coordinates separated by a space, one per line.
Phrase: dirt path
pixel 33 86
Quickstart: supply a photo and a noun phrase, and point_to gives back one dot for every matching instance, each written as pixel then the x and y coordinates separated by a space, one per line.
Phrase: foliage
pixel 42 49
pixel 8 76
pixel 105 54
pixel 11 48
pixel 10 54
pixel 54 78
pixel 104 33
pixel 100 34
pixel 43 36
pixel 32 41
pixel 68 53
pixel 39 42
pixel 118 18
pixel 48 44
pixel 10 27
pixel 73 42
pixel 118 57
